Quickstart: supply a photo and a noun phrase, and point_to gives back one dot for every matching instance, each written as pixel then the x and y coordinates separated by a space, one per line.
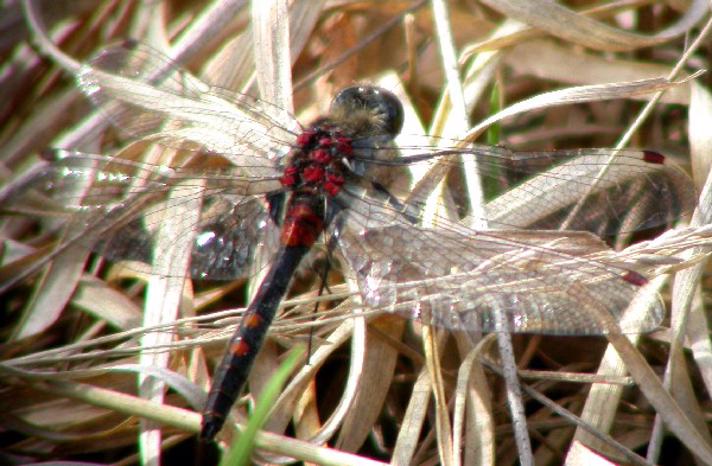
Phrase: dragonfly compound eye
pixel 378 102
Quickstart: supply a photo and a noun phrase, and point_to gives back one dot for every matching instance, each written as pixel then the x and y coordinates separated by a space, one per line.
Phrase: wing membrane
pixel 144 94
pixel 604 191
pixel 543 282
pixel 116 207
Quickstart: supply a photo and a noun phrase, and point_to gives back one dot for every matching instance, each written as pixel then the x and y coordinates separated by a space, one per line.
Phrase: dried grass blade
pixel 548 60
pixel 458 112
pixel 432 343
pixel 578 94
pixel 473 403
pixel 580 29
pixel 107 304
pixel 406 446
pixel 603 399
pixel 165 291
pixel 374 384
pixel 54 291
pixel 700 122
pixel 273 64
pixel 675 419
pixel 697 328
pixel 677 378
pixel 190 421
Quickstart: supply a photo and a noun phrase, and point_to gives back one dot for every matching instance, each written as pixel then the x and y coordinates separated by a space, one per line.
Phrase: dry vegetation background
pixel 71 335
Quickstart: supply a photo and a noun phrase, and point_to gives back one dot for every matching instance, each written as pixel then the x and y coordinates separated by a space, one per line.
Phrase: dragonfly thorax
pixel 363 121
pixel 319 162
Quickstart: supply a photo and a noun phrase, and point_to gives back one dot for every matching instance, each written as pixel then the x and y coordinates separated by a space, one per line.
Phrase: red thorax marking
pixel 316 162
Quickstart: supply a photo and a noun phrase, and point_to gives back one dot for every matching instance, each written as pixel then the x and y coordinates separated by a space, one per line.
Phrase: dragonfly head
pixel 368 111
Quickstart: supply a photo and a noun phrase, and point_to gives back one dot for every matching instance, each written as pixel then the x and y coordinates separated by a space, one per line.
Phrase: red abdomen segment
pixel 303 224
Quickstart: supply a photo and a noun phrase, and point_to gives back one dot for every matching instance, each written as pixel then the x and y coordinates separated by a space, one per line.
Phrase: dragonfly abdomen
pixel 304 222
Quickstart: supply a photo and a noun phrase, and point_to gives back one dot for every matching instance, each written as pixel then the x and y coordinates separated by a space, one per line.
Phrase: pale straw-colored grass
pixel 78 332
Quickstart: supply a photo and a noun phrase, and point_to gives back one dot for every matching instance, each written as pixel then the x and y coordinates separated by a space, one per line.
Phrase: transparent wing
pixel 144 94
pixel 116 206
pixel 604 191
pixel 543 282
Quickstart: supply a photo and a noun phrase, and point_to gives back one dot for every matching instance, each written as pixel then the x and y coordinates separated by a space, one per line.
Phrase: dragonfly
pixel 265 181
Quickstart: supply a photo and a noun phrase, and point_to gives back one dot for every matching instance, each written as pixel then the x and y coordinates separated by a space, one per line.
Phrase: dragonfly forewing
pixel 604 191
pixel 144 94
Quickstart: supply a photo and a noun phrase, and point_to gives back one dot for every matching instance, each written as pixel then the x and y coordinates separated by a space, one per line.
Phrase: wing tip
pixel 654 157
pixel 635 278
pixel 52 154
pixel 130 44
